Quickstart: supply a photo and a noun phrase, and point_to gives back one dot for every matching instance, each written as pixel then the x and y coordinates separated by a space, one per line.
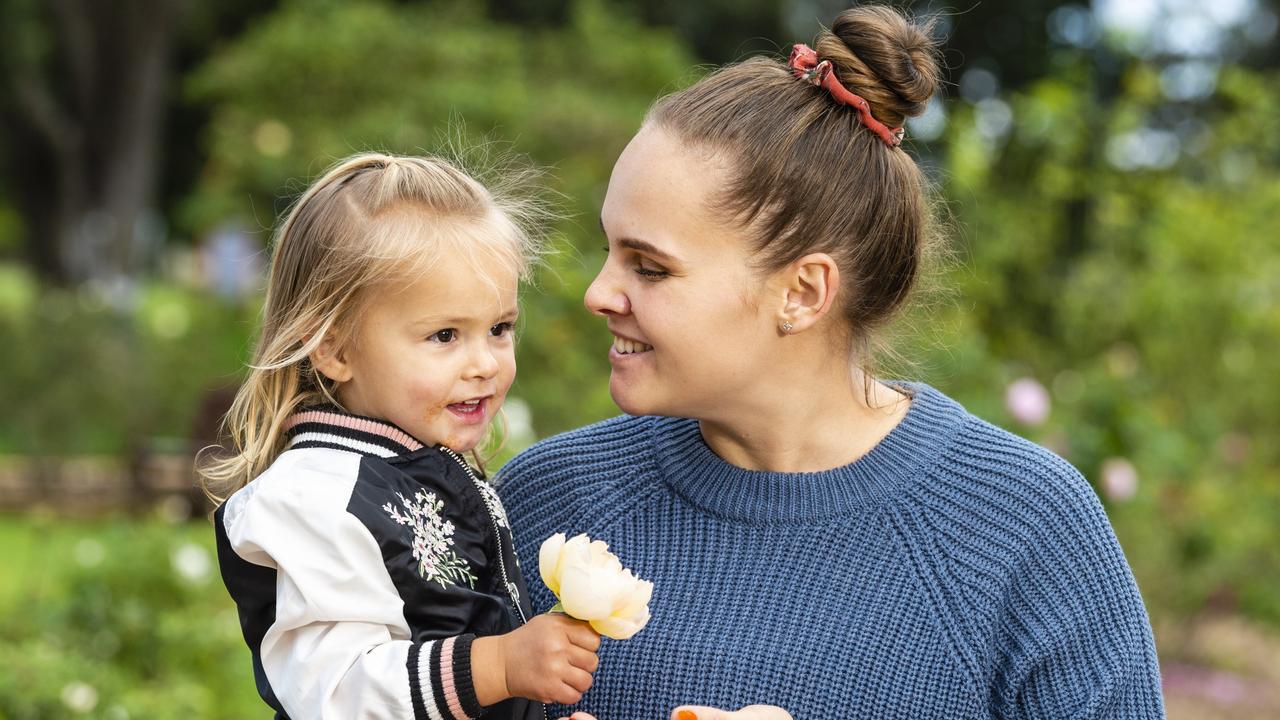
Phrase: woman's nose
pixel 605 296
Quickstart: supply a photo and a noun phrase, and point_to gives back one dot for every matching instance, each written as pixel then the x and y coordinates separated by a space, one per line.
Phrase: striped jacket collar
pixel 328 427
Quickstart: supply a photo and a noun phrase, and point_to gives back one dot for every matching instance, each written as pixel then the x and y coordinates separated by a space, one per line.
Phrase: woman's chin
pixel 631 399
pixel 635 400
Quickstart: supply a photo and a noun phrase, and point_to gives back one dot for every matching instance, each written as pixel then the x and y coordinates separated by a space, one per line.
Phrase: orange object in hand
pixel 686 715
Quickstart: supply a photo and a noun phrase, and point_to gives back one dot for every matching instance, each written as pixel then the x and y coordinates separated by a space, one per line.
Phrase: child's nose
pixel 484 364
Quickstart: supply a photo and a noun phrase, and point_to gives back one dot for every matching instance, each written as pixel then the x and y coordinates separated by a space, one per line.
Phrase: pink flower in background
pixel 1027 401
pixel 1119 479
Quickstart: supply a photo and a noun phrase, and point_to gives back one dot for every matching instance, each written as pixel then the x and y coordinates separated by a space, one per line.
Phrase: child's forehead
pixel 417 241
pixel 453 286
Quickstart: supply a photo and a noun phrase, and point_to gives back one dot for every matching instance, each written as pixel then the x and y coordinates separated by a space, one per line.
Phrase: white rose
pixel 592 585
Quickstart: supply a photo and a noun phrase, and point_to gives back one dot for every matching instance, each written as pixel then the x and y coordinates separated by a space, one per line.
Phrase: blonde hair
pixel 371 220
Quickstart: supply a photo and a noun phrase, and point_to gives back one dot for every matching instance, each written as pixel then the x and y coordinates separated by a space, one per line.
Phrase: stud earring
pixel 787 326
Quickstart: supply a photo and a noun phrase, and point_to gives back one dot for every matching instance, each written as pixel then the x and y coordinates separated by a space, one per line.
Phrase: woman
pixel 818 540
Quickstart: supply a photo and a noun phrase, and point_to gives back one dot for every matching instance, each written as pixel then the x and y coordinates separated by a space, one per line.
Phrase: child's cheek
pixel 433 407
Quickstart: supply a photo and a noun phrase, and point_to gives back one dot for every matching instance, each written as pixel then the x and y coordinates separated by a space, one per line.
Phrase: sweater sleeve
pixel 1077 643
pixel 337 645
pixel 1030 585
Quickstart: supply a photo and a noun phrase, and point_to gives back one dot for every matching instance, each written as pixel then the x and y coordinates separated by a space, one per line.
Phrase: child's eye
pixel 444 336
pixel 501 329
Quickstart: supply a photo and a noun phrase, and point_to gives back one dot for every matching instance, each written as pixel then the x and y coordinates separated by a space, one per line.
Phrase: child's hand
pixel 549 659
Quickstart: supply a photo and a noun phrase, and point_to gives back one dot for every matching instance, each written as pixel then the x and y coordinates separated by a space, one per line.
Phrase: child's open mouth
pixel 470 411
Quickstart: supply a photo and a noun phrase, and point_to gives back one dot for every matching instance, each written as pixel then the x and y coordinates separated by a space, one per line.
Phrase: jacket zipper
pixel 493 520
pixel 497 532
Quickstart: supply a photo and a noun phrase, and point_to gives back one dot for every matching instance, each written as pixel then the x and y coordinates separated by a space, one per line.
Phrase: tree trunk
pixel 87 120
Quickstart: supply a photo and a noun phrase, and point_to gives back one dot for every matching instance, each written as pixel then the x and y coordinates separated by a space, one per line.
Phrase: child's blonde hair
pixel 361 226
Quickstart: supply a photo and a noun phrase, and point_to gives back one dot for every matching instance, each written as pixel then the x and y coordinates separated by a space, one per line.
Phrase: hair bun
pixel 880 55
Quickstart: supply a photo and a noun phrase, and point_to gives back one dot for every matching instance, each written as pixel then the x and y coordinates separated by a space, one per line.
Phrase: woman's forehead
pixel 663 191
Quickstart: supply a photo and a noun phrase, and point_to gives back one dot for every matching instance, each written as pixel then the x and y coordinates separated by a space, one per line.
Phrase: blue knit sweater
pixel 955 571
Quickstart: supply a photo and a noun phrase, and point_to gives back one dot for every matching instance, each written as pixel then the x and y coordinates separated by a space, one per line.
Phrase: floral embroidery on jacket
pixel 432 539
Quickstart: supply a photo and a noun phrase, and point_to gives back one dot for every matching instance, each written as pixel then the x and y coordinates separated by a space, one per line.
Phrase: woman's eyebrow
pixel 646 248
pixel 643 246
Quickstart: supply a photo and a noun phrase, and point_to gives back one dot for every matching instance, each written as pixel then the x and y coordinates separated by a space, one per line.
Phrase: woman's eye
pixel 650 273
pixel 445 336
pixel 501 329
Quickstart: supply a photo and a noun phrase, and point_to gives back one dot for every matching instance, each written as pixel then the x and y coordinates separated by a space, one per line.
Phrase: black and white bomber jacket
pixel 363 564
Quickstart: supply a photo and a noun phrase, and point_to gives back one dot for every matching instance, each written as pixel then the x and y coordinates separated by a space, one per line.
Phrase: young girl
pixel 371 565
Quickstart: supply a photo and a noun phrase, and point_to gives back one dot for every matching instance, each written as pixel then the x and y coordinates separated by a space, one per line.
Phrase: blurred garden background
pixel 1112 171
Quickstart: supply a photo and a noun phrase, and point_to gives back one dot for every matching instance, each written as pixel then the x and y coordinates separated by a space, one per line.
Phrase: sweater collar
pixel 329 427
pixel 696 473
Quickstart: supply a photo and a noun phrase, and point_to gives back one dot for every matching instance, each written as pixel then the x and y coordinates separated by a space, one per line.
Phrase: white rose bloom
pixel 592 585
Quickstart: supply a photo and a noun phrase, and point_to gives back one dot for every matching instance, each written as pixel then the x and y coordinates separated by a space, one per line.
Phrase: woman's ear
pixel 330 360
pixel 811 284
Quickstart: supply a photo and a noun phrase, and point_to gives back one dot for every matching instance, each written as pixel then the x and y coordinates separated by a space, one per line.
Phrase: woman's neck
pixel 807 431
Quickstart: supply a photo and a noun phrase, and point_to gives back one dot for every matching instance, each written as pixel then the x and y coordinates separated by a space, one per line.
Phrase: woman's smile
pixel 627 346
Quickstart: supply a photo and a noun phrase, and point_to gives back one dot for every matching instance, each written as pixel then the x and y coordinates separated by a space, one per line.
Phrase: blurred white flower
pixel 519 422
pixel 592 585
pixel 80 697
pixel 1119 479
pixel 90 553
pixel 192 562
pixel 1027 401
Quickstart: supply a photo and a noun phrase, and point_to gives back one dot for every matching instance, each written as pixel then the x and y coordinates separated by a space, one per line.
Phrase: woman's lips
pixel 472 413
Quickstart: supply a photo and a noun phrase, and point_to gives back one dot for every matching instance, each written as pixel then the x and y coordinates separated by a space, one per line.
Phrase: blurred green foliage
pixel 95 375
pixel 1146 301
pixel 119 620
pixel 1139 290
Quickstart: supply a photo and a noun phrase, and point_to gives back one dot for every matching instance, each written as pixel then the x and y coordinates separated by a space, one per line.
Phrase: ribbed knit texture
pixel 955 571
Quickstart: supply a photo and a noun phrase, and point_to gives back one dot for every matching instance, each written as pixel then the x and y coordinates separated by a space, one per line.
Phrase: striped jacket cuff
pixel 440 680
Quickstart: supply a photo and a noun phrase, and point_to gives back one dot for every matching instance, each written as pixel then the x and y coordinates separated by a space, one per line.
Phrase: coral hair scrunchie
pixel 804 63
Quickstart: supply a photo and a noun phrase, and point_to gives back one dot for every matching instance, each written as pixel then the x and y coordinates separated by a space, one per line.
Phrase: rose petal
pixel 581 593
pixel 637 600
pixel 549 561
pixel 620 628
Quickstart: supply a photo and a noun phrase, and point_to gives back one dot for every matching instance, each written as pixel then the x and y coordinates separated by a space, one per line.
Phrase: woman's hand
pixel 698 712
pixel 750 712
